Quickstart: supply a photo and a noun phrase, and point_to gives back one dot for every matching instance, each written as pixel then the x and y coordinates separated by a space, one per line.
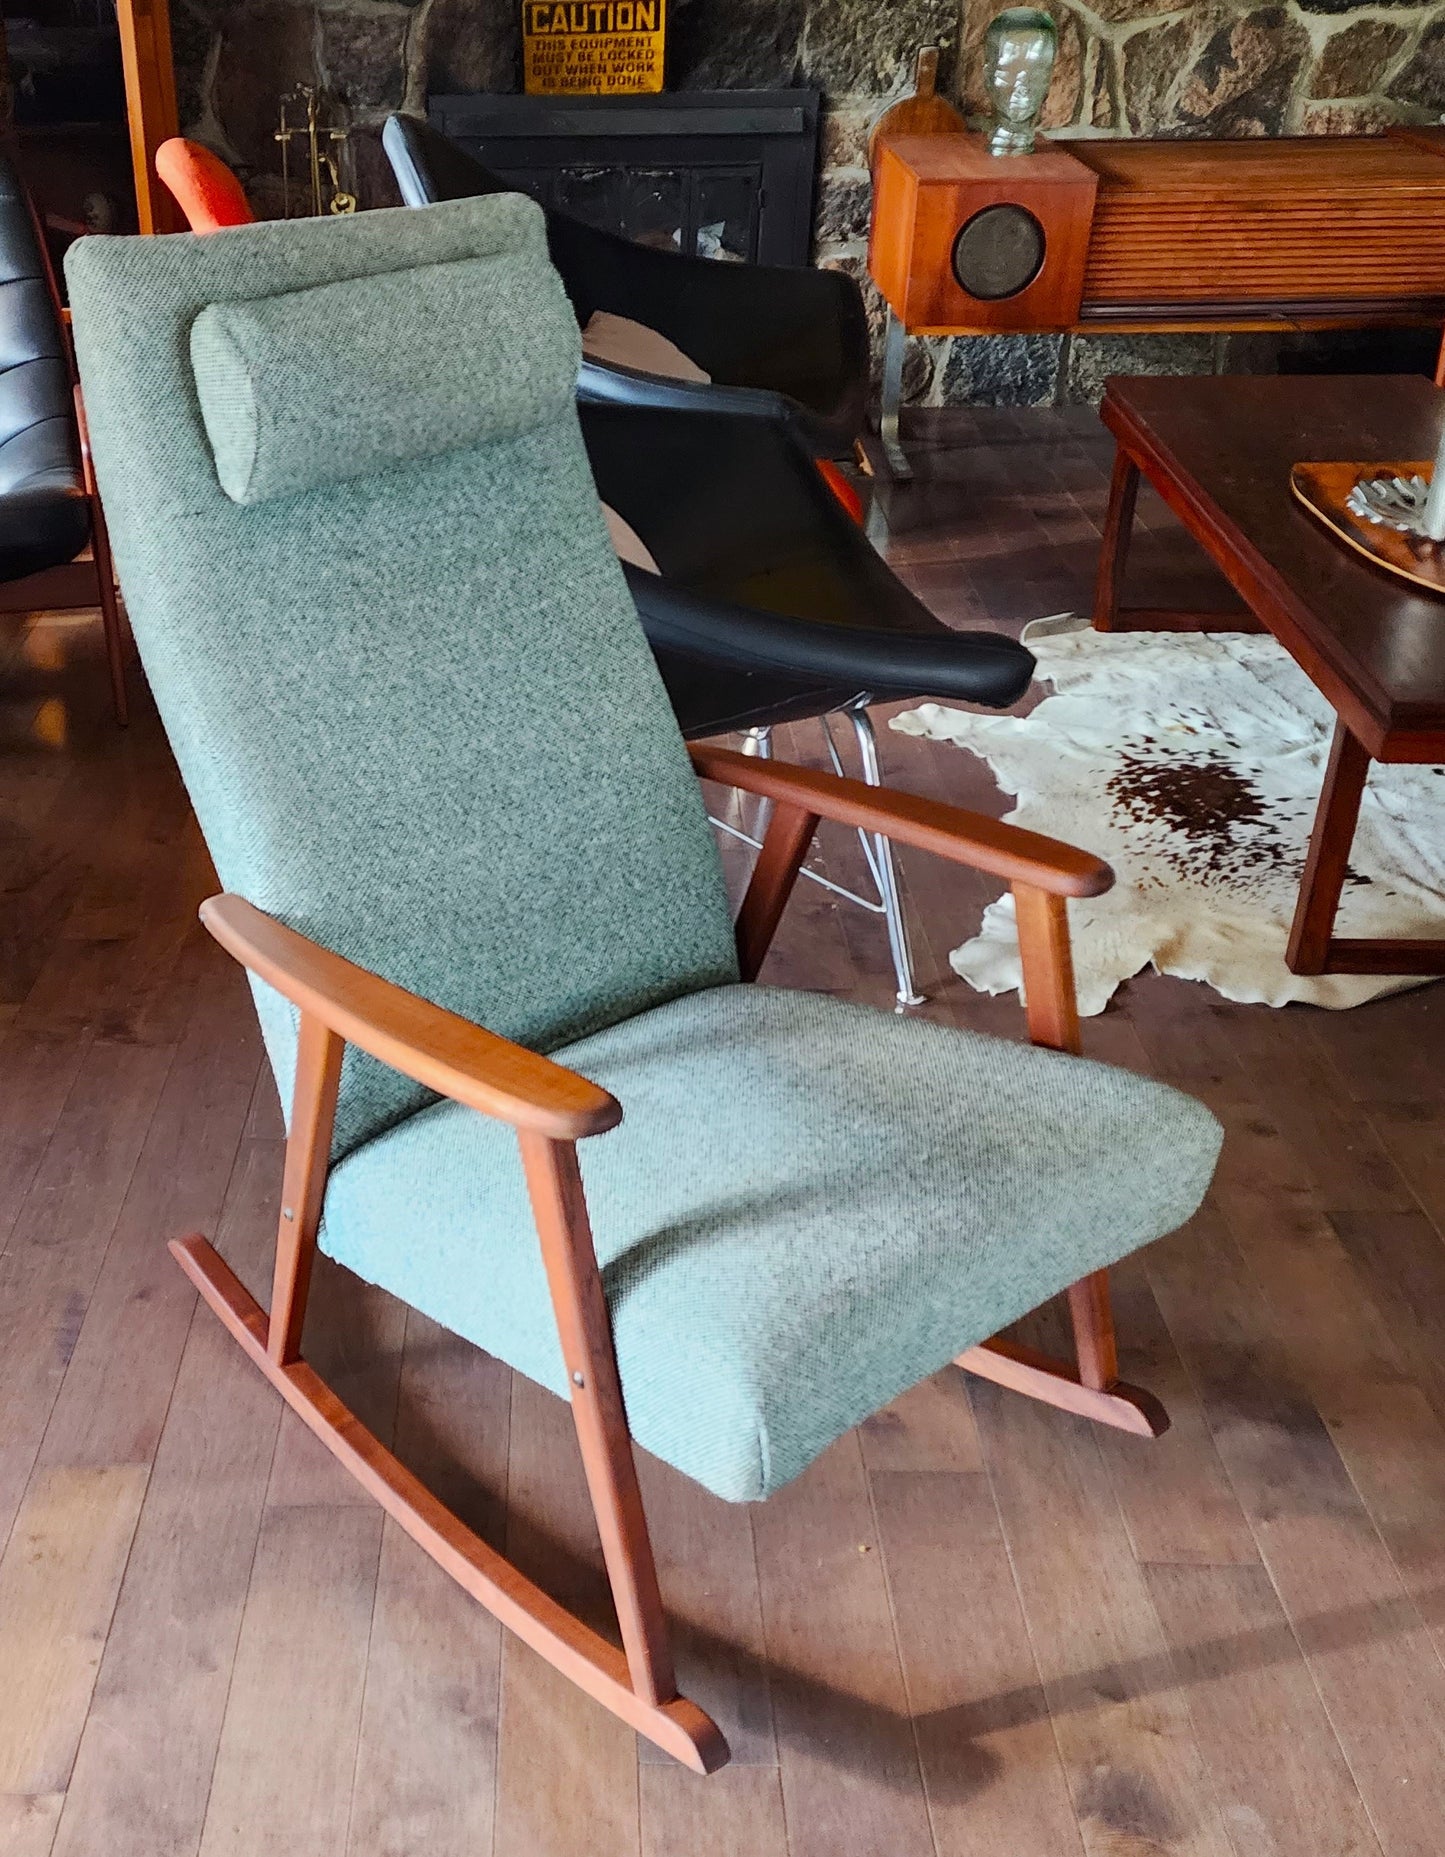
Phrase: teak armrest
pixel 1042 872
pixel 550 1108
pixel 971 838
pixel 435 1047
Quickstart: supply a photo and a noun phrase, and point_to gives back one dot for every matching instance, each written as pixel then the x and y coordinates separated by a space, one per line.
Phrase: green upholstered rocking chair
pixel 441 782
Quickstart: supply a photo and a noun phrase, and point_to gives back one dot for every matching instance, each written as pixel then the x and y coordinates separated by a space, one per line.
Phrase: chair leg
pixel 906 991
pixel 1092 1389
pixel 759 742
pixel 1025 1370
pixel 555 1185
pixel 111 620
pixel 303 1187
pixel 636 1682
pixel 895 344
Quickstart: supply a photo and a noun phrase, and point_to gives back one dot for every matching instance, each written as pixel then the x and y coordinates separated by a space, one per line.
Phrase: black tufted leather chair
pixel 48 507
pixel 791 344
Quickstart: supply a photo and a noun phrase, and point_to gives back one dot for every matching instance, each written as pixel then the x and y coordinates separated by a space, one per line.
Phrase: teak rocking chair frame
pixel 551 1109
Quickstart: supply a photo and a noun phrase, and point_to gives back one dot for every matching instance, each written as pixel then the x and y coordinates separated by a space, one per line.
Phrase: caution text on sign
pixel 593 48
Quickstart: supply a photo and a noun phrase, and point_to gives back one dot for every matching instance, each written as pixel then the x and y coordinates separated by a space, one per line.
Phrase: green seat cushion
pixel 809 1206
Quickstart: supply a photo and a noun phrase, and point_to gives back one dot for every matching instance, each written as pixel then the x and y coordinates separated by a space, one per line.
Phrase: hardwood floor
pixel 975 1628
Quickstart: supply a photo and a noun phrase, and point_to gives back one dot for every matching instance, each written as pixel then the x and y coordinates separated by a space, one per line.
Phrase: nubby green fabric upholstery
pixel 414 710
pixel 420 724
pixel 808 1207
pixel 317 386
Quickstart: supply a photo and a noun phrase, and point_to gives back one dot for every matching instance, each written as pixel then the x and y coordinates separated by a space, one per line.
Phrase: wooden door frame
pixel 150 105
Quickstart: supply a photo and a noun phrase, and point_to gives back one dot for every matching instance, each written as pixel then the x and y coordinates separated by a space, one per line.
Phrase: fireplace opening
pixel 726 174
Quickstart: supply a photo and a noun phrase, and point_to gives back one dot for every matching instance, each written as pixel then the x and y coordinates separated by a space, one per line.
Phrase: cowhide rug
pixel 1194 764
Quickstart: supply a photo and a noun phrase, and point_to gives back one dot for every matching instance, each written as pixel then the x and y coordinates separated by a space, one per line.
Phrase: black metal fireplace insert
pixel 723 173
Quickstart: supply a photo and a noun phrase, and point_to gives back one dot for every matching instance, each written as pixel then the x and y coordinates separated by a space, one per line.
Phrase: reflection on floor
pixel 975 1628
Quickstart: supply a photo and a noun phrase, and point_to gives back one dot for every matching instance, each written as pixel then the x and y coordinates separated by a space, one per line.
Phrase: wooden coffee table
pixel 1219 453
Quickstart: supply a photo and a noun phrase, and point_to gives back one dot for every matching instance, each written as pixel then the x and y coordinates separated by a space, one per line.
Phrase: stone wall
pixel 1200 68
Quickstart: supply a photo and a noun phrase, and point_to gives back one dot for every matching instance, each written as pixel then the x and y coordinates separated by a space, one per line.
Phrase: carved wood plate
pixel 1323 488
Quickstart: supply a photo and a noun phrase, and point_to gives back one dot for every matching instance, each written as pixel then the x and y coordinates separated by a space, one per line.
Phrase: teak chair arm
pixel 971 838
pixel 434 1047
pixel 550 1108
pixel 1043 872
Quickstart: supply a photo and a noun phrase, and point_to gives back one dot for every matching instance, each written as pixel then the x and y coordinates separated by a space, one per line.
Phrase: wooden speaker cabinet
pixel 964 242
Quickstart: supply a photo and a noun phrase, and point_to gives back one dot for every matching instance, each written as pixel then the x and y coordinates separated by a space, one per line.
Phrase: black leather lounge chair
pixel 792 343
pixel 766 591
pixel 48 508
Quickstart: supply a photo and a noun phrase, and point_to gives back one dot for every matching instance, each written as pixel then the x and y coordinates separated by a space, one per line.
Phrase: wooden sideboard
pixel 1140 236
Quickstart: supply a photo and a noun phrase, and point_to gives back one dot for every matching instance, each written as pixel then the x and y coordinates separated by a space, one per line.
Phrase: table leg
pixel 1110 615
pixel 1329 855
pixel 894 346
pixel 1114 548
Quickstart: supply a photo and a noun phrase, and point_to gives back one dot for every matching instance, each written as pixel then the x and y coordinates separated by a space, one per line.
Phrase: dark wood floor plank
pixel 1338 1343
pixel 1282 1782
pixel 426 1764
pixel 1413 1135
pixel 1401 1259
pixel 27 1823
pixel 59 1578
pixel 1176 1499
pixel 113 956
pixel 1135 1769
pixel 1297 1083
pixel 143 1771
pixel 48 1270
pixel 1391 1051
pixel 46 868
pixel 287 1756
pixel 549 1728
pixel 851 1778
pixel 986 1743
pixel 117 1387
pixel 1368 1646
pixel 39 1073
pixel 739 1813
pixel 930 1428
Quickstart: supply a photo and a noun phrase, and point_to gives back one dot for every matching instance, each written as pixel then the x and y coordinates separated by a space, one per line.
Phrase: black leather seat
pixel 788 343
pixel 44 516
pixel 762 571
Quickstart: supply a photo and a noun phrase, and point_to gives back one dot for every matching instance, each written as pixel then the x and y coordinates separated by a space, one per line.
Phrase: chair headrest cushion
pixel 351 379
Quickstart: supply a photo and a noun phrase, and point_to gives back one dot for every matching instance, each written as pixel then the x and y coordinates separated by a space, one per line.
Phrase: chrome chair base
pixel 877 850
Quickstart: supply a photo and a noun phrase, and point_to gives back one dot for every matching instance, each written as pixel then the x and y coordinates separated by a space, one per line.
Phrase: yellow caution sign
pixel 593 48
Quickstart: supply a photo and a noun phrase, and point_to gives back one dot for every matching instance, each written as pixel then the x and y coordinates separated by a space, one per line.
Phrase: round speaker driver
pixel 999 252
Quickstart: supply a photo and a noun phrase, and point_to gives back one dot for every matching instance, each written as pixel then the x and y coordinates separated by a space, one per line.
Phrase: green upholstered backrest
pixel 414 707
